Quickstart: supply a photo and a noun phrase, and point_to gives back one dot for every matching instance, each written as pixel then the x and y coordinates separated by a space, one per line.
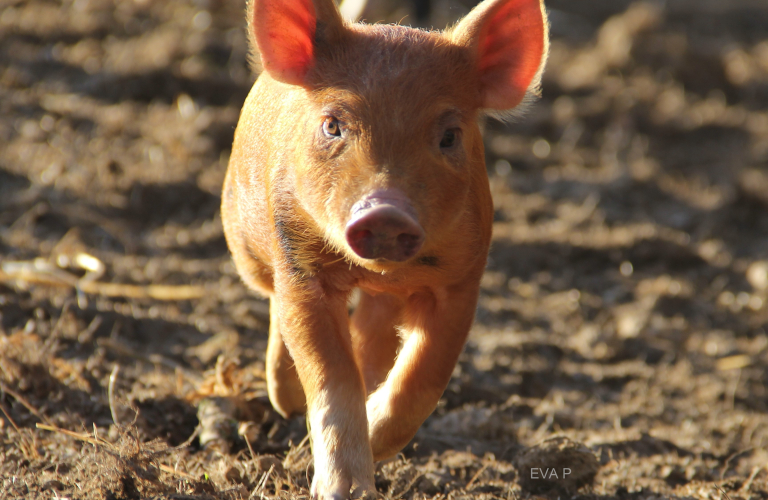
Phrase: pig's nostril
pixel 361 235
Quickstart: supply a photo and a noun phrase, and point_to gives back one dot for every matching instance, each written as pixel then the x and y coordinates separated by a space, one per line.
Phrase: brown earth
pixel 625 305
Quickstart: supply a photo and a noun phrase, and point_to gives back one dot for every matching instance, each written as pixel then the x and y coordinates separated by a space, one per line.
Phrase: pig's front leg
pixel 437 325
pixel 314 325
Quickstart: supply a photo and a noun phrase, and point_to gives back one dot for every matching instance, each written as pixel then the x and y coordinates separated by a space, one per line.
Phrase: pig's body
pixel 358 163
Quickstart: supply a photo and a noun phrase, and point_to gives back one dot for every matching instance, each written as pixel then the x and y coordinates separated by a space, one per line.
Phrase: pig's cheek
pixel 330 215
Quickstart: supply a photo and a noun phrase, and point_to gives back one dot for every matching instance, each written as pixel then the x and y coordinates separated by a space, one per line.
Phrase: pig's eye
pixel 450 137
pixel 331 127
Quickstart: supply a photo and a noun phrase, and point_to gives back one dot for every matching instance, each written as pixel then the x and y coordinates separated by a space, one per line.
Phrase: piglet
pixel 358 163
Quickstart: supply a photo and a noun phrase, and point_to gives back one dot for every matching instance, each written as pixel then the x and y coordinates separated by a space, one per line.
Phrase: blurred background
pixel 624 304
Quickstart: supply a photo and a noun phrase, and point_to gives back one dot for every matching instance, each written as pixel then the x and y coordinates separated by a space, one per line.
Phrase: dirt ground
pixel 625 304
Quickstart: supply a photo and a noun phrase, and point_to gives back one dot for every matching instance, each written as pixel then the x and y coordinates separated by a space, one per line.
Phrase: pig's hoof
pixel 340 491
pixel 319 493
pixel 322 489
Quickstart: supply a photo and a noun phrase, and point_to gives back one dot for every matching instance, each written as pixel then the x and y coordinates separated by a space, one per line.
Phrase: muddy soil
pixel 622 327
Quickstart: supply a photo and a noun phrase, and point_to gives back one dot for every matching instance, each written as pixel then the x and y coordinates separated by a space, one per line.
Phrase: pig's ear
pixel 510 40
pixel 286 33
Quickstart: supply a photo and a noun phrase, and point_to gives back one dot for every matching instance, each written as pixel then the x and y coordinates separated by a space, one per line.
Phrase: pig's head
pixel 387 154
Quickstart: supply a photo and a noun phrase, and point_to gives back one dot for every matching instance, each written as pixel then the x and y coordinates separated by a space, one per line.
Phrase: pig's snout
pixel 384 228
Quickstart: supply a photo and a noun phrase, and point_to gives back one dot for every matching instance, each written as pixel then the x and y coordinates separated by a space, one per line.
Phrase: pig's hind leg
pixel 283 385
pixel 374 336
pixel 436 326
pixel 285 391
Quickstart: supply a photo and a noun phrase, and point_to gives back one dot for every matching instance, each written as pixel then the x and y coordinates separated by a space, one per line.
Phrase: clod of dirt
pixel 265 463
pixel 218 426
pixel 556 464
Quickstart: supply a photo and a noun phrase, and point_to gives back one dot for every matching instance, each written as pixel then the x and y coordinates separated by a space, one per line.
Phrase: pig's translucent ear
pixel 286 33
pixel 510 38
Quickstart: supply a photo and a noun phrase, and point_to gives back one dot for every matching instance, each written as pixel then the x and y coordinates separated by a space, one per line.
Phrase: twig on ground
pixel 87 335
pixel 18 397
pixel 188 441
pixel 41 272
pixel 243 429
pixel 77 435
pixel 263 481
pixel 476 476
pixel 174 472
pixel 722 491
pixel 728 461
pixel 158 292
pixel 59 322
pixel 8 416
pixel 111 393
pixel 735 362
pixel 27 442
pixel 294 452
pixel 755 470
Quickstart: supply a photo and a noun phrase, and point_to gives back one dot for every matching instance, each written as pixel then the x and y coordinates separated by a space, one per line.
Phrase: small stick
pixel 290 456
pixel 170 470
pixel 18 397
pixel 732 392
pixel 728 461
pixel 748 484
pixel 158 292
pixel 243 431
pixel 722 492
pixel 87 335
pixel 477 475
pixel 77 435
pixel 57 326
pixel 5 412
pixel 264 479
pixel 45 274
pixel 26 446
pixel 188 441
pixel 111 393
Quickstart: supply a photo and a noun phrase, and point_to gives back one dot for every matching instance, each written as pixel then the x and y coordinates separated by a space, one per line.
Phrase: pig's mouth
pixel 384 226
